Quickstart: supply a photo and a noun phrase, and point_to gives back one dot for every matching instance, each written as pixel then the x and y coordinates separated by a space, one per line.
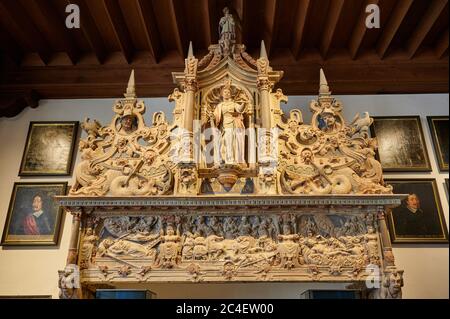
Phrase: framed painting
pixel 439 134
pixel 49 149
pixel 401 144
pixel 33 217
pixel 419 219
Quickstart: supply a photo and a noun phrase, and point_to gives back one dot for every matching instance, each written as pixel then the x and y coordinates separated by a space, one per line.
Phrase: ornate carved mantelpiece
pixel 231 190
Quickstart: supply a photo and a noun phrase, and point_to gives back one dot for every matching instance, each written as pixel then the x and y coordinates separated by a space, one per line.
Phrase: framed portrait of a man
pixel 419 219
pixel 49 149
pixel 33 216
pixel 401 144
pixel 439 133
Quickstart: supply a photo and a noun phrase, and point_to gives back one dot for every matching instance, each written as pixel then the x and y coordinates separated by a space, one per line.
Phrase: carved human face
pixel 226 94
pixel 306 155
pixel 396 281
pixel 170 231
pixel 329 119
pixel 128 123
pixel 413 201
pixel 293 126
pixel 37 203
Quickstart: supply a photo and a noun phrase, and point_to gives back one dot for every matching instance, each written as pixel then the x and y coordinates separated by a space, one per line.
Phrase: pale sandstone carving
pixel 318 163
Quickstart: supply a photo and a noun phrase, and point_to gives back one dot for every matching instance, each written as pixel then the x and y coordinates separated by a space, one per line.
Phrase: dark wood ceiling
pixel 41 58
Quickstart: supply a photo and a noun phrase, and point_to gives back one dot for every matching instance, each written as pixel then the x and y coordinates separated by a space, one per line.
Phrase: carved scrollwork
pixel 328 156
pixel 126 158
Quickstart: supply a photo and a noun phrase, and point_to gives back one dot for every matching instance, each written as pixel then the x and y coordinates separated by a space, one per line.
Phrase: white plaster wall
pixel 33 271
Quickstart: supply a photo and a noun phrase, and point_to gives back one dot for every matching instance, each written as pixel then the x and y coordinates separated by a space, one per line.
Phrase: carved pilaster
pixel 69 278
pixel 74 237
pixel 388 256
pixel 264 87
pixel 190 87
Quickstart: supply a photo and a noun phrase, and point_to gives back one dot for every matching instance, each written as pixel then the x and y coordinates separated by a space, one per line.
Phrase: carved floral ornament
pixel 296 201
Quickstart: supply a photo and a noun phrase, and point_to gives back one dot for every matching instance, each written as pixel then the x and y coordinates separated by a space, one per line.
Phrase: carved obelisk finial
pixel 324 88
pixel 131 89
pixel 263 53
pixel 190 51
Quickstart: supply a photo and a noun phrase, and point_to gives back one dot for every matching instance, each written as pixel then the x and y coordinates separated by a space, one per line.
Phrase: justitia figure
pixel 229 116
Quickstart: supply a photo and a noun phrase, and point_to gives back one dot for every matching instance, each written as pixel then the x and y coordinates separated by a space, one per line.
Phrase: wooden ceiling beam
pixel 426 23
pixel 334 13
pixel 90 31
pixel 303 7
pixel 442 45
pixel 147 17
pixel 361 76
pixel 272 24
pixel 27 28
pixel 208 13
pixel 176 15
pixel 242 9
pixel 390 30
pixel 12 104
pixel 12 50
pixel 57 24
pixel 359 31
pixel 119 26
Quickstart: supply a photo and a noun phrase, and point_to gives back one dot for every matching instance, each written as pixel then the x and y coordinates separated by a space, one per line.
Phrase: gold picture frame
pixel 440 135
pixel 401 144
pixel 419 219
pixel 49 149
pixel 34 218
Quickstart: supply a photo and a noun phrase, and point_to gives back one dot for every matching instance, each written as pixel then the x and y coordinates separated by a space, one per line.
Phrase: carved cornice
pixel 233 201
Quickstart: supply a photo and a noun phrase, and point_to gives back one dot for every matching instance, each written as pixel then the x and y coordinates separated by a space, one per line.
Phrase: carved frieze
pixel 227 244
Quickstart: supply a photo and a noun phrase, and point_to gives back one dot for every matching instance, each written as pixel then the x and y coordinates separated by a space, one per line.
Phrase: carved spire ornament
pixel 131 89
pixel 324 88
pixel 231 188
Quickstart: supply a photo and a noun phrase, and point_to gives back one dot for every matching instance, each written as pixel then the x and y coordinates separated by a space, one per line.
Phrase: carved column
pixel 391 282
pixel 187 168
pixel 74 237
pixel 190 90
pixel 388 257
pixel 264 87
pixel 69 278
